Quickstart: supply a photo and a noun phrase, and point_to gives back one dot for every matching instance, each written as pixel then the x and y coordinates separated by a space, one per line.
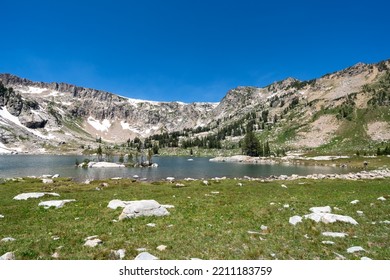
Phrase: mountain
pixel 347 107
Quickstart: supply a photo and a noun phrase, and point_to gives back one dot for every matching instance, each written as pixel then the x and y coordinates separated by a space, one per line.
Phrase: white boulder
pixel 25 196
pixel 115 203
pixel 7 239
pixel 47 181
pixel 92 241
pixel 330 218
pixel 334 234
pixel 381 198
pixel 295 220
pixel 141 208
pixel 119 254
pixel 8 256
pixel 355 249
pixel 355 201
pixel 144 256
pixel 55 203
pixel 324 209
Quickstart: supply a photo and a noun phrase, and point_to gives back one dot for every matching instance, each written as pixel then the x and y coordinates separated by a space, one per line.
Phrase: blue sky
pixel 188 50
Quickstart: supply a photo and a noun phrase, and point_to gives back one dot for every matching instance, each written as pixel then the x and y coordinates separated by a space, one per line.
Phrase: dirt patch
pixel 318 133
pixel 379 131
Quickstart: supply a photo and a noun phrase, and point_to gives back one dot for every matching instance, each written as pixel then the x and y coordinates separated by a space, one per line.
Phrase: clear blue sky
pixel 188 50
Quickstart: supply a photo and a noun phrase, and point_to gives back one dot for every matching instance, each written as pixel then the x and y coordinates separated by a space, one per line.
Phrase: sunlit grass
pixel 202 225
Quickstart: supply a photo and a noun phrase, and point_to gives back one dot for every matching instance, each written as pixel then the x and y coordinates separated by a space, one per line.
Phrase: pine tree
pixel 251 145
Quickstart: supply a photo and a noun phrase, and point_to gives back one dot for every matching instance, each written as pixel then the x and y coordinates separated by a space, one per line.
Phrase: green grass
pixel 212 226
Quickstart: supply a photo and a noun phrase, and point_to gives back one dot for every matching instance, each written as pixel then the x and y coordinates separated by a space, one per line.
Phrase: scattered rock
pixel 118 254
pixel 1 216
pixel 7 239
pixel 92 241
pixel 295 220
pixel 55 176
pixel 116 178
pixel 263 227
pixel 170 179
pixel 365 259
pixel 115 203
pixel 334 234
pixel 253 232
pixel 359 212
pixel 141 208
pixel 55 203
pixel 339 257
pixel 161 247
pixel 151 225
pixel 327 242
pixel 141 249
pixel 8 256
pixel 355 249
pixel 205 182
pixel 55 238
pixel 145 256
pixel 324 209
pixel 180 185
pixel 87 182
pixel 135 176
pixel 286 206
pixel 195 259
pixel 104 185
pixel 330 218
pixel 168 206
pixel 381 198
pixel 56 255
pixel 284 186
pixel 355 201
pixel 239 184
pixel 25 196
pixel 47 181
pixel 384 222
pixel 214 192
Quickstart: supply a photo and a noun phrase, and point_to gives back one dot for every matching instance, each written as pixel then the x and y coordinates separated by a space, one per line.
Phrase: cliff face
pixel 35 114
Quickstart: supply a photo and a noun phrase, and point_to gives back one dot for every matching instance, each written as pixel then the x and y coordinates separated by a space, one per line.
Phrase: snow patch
pixel 101 126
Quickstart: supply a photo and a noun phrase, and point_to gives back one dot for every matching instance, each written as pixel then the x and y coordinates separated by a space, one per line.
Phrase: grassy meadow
pixel 208 221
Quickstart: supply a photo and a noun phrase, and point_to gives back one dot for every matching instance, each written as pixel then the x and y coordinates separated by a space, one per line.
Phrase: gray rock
pixel 55 203
pixel 334 234
pixel 25 196
pixel 295 220
pixel 355 249
pixel 47 181
pixel 141 208
pixel 93 242
pixel 118 254
pixel 144 256
pixel 8 256
pixel 324 209
pixel 330 218
pixel 7 239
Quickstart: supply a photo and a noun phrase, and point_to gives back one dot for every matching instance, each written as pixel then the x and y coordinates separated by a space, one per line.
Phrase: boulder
pixel 8 256
pixel 118 254
pixel 92 241
pixel 334 234
pixel 47 181
pixel 355 249
pixel 324 209
pixel 145 256
pixel 55 203
pixel 7 239
pixel 295 220
pixel 141 208
pixel 25 196
pixel 330 218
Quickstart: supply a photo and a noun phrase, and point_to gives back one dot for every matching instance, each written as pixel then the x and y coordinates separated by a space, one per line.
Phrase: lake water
pixel 178 167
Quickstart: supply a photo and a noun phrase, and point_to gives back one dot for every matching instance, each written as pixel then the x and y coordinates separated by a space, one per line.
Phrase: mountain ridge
pixel 47 113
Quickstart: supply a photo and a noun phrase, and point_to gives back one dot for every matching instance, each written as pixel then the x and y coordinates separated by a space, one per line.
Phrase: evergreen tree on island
pixel 251 146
